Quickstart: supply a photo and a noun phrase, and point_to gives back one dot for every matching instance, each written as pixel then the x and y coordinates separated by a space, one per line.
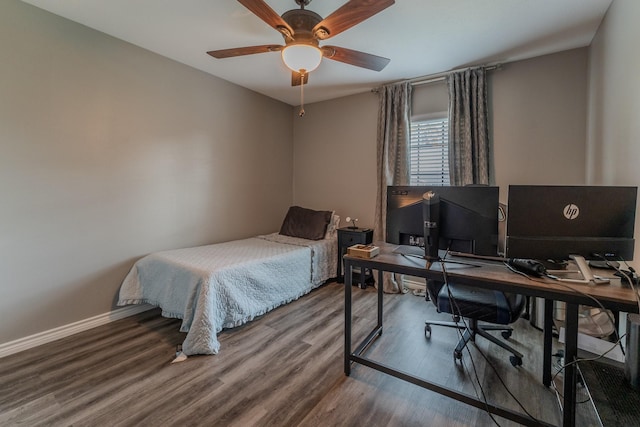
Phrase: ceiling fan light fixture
pixel 301 57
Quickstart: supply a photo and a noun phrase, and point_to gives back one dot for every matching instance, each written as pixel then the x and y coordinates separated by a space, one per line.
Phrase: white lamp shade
pixel 301 57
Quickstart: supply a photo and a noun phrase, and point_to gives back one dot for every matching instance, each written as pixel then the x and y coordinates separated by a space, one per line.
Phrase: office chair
pixel 479 305
pixel 476 305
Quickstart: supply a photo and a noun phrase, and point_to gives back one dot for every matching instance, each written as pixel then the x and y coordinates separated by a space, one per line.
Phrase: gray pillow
pixel 305 223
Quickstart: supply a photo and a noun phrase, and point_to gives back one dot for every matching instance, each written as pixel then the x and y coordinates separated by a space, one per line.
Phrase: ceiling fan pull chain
pixel 302 73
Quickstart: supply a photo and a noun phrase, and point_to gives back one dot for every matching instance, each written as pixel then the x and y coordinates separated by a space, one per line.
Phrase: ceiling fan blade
pixel 296 78
pixel 268 15
pixel 355 57
pixel 349 14
pixel 249 50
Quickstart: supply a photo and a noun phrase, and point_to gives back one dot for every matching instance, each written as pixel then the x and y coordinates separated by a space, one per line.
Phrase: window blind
pixel 429 156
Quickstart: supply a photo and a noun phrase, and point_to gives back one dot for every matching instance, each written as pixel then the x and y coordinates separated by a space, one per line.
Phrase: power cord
pixel 457 319
pixel 454 304
pixel 632 283
pixel 573 289
pixel 615 344
pixel 576 362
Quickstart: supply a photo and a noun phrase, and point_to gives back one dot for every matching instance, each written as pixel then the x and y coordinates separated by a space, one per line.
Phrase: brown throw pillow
pixel 305 223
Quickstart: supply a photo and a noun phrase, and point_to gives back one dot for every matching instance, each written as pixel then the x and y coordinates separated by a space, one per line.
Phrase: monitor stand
pixel 444 259
pixel 587 276
pixel 418 252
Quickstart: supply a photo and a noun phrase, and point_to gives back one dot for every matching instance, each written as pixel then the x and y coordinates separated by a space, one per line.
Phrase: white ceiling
pixel 421 37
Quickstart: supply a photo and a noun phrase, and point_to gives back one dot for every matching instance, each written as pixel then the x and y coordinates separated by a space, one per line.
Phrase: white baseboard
pixel 35 340
pixel 412 283
pixel 597 346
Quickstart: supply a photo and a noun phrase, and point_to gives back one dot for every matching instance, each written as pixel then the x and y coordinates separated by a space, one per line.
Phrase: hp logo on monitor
pixel 571 211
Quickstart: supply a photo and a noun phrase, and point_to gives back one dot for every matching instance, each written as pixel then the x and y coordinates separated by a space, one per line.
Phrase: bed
pixel 225 285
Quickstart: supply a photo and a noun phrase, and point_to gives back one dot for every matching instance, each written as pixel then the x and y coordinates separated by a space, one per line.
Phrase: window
pixel 429 152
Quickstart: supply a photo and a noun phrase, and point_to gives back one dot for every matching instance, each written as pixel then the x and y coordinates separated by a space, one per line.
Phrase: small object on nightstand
pixel 353 221
pixel 348 237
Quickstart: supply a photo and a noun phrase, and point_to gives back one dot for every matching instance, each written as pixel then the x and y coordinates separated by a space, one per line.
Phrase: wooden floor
pixel 283 369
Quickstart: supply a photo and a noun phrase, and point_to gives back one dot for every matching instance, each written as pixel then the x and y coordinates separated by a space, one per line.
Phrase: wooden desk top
pixel 496 275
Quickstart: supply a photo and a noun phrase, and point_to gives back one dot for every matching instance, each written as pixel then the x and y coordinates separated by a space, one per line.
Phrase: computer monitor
pixel 554 222
pixel 466 221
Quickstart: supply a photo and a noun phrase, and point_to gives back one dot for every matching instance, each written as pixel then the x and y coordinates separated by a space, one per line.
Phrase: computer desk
pixel 490 275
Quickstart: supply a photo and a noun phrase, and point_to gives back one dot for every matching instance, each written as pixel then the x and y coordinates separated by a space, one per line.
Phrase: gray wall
pixel 335 156
pixel 538 132
pixel 109 152
pixel 614 101
pixel 539 120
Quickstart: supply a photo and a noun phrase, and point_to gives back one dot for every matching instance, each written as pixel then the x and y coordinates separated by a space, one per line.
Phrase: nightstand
pixel 348 236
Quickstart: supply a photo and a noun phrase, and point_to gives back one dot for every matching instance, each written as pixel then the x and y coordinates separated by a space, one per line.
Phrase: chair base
pixel 470 333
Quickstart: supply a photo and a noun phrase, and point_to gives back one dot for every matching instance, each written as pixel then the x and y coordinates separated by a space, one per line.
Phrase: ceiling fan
pixel 303 29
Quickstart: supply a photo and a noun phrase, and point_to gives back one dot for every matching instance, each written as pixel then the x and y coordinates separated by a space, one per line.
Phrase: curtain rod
pixel 441 76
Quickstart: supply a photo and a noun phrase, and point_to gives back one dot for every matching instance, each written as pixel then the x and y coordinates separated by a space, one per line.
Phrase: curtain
pixel 469 152
pixel 392 156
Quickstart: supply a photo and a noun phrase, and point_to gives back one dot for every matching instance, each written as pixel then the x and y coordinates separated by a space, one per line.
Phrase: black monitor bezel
pixel 410 197
pixel 534 234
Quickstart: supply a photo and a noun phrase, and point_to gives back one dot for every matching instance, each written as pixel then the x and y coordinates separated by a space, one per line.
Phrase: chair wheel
pixel 515 361
pixel 457 354
pixel 427 331
pixel 506 334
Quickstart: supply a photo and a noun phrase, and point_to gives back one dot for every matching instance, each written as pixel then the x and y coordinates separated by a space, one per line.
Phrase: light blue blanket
pixel 227 284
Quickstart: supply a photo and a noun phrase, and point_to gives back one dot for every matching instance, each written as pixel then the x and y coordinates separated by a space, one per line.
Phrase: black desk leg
pixel 548 342
pixel 380 294
pixel 570 370
pixel 347 317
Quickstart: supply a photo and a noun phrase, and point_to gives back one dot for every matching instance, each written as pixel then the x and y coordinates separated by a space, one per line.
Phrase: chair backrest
pixel 433 290
pixel 517 304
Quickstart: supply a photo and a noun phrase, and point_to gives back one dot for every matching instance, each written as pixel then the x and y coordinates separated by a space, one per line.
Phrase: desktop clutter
pixel 562 271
